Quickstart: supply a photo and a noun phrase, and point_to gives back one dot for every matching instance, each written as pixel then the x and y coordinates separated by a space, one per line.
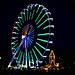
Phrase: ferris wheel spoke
pixel 30 30
pixel 15 50
pixel 15 45
pixel 43 23
pixel 31 39
pixel 35 54
pixel 17 23
pixel 39 15
pixel 22 17
pixel 40 46
pixel 31 33
pixel 15 33
pixel 46 27
pixel 19 18
pixel 27 12
pixel 32 57
pixel 42 40
pixel 23 59
pixel 41 19
pixel 31 7
pixel 14 37
pixel 26 51
pixel 37 10
pixel 16 28
pixel 32 14
pixel 43 34
pixel 19 55
pixel 29 58
pixel 20 58
pixel 38 50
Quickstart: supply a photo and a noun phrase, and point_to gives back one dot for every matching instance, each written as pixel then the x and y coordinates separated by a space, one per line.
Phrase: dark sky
pixel 63 13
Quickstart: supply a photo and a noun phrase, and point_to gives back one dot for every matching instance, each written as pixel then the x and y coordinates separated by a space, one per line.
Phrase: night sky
pixel 63 13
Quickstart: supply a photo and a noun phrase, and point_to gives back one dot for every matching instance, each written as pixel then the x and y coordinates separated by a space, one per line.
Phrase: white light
pixel 40 61
pixel 20 17
pixel 0 57
pixel 52 26
pixel 17 22
pixel 23 36
pixel 51 42
pixel 13 48
pixel 15 27
pixel 12 43
pixel 45 56
pixel 41 6
pixel 48 13
pixel 52 34
pixel 47 49
pixel 31 66
pixel 50 19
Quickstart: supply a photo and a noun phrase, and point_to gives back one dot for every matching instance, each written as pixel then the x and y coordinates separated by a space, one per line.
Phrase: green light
pixel 37 10
pixel 31 7
pixel 23 59
pixel 42 40
pixel 40 46
pixel 33 14
pixel 30 15
pixel 29 58
pixel 18 55
pixel 14 37
pixel 38 50
pixel 14 41
pixel 15 49
pixel 19 20
pixel 41 18
pixel 43 34
pixel 15 33
pixel 16 28
pixel 43 23
pixel 35 54
pixel 27 14
pixel 15 45
pixel 22 17
pixel 18 25
pixel 19 58
pixel 46 27
pixel 38 15
pixel 32 56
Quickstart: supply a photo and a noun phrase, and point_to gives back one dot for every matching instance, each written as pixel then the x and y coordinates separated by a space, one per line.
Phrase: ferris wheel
pixel 31 36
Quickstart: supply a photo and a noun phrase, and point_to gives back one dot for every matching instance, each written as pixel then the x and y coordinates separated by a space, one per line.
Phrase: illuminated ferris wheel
pixel 31 36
